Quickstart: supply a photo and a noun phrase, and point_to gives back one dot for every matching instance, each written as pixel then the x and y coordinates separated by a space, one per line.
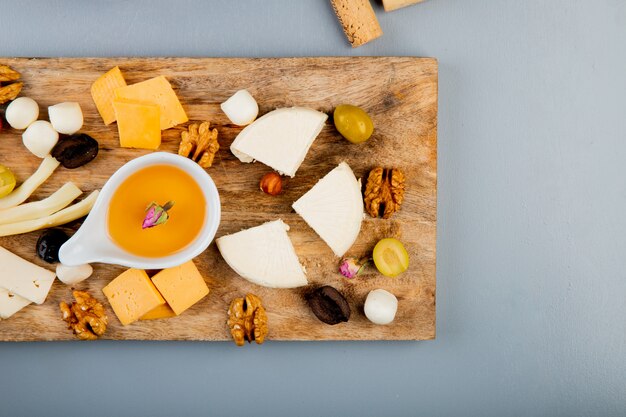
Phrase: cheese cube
pixel 102 92
pixel 23 278
pixel 132 295
pixel 11 303
pixel 138 124
pixel 157 91
pixel 161 312
pixel 181 286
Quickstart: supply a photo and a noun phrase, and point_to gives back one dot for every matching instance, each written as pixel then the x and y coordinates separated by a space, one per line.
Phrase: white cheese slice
pixel 10 303
pixel 334 208
pixel 21 193
pixel 264 255
pixel 23 278
pixel 280 139
pixel 60 199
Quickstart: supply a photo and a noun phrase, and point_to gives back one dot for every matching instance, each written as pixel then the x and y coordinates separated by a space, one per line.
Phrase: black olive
pixel 329 305
pixel 75 150
pixel 49 243
pixel 3 109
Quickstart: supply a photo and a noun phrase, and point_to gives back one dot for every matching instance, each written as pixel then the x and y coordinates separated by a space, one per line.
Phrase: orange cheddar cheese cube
pixel 181 286
pixel 132 295
pixel 138 124
pixel 157 91
pixel 161 312
pixel 102 92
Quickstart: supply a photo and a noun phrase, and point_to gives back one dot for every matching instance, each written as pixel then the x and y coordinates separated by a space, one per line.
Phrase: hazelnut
pixel 271 183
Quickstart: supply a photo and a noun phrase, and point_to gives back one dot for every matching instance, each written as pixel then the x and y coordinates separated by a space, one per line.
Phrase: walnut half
pixel 86 316
pixel 247 320
pixel 384 192
pixel 199 143
pixel 10 91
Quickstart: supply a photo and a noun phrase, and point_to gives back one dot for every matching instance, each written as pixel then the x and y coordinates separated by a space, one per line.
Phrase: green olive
pixel 7 181
pixel 353 123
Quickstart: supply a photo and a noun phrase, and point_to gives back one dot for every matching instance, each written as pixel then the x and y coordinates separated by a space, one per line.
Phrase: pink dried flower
pixel 352 267
pixel 156 214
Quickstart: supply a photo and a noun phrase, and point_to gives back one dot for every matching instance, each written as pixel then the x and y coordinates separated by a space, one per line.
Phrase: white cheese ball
pixel 66 118
pixel 40 138
pixel 241 109
pixel 73 274
pixel 22 112
pixel 381 306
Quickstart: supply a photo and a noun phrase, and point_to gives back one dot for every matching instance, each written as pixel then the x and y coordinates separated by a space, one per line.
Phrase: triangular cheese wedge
pixel 263 255
pixel 10 303
pixel 334 208
pixel 23 278
pixel 280 139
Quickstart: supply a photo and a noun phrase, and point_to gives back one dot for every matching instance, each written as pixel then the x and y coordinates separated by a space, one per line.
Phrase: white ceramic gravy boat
pixel 91 243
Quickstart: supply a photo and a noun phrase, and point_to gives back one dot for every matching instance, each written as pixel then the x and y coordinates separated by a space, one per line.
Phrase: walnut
pixel 247 320
pixel 11 91
pixel 384 192
pixel 202 141
pixel 8 74
pixel 86 316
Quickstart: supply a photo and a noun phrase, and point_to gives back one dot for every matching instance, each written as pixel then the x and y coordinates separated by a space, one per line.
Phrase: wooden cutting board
pixel 400 93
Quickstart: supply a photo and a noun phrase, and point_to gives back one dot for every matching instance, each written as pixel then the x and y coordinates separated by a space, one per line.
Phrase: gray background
pixel 531 296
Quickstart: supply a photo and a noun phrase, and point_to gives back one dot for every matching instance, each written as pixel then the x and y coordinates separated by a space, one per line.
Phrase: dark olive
pixel 75 150
pixel 49 243
pixel 329 305
pixel 3 110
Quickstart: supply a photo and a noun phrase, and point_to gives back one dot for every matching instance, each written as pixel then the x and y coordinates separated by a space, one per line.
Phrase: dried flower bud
pixel 352 267
pixel 156 214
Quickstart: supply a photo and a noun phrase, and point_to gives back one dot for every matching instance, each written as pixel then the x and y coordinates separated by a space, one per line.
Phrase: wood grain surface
pixel 400 93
